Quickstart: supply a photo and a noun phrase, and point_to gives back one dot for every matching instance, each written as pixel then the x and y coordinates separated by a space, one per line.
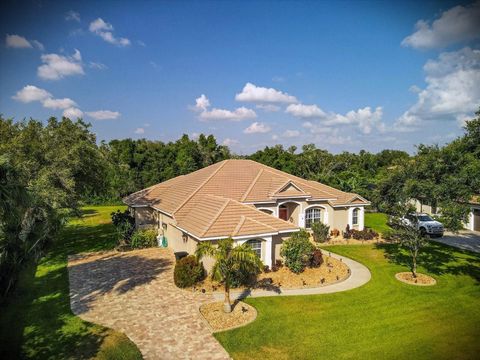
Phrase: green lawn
pixel 37 322
pixel 384 319
pixel 377 222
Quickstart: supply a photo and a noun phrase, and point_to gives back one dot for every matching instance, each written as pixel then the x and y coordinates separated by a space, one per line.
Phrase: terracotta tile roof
pixel 208 202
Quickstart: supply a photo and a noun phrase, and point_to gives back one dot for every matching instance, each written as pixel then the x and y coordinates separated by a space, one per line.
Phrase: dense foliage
pixel 320 231
pixel 297 251
pixel 188 271
pixel 143 239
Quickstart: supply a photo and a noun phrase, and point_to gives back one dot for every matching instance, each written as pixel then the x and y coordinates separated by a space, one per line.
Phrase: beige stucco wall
pixel 144 216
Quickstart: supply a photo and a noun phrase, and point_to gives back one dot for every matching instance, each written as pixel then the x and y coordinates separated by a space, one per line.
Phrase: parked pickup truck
pixel 425 224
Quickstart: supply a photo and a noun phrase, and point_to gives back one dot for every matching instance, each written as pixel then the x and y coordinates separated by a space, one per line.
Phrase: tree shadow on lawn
pixel 437 259
pixel 114 273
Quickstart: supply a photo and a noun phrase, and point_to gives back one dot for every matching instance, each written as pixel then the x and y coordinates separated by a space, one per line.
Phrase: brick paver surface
pixel 133 292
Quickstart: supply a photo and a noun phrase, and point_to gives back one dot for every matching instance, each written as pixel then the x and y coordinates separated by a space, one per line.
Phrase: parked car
pixel 425 224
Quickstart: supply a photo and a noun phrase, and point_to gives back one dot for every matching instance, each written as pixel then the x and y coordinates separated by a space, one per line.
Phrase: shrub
pixel 366 234
pixel 188 271
pixel 335 232
pixel 317 258
pixel 297 251
pixel 143 239
pixel 320 231
pixel 124 225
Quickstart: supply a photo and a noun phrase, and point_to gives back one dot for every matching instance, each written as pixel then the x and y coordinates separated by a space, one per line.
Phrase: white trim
pixel 351 205
pixel 325 215
pixel 300 213
pixel 322 199
pixel 266 208
pixel 280 197
pixel 361 217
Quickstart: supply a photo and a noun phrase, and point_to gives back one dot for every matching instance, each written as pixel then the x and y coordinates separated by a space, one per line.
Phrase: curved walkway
pixel 359 275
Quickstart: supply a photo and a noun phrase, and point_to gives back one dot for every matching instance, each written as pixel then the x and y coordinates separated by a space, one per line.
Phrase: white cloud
pixel 56 66
pixel 64 103
pixel 97 65
pixel 291 133
pixel 230 142
pixel 73 113
pixel 19 42
pixel 278 79
pixel 268 107
pixel 238 114
pixel 31 93
pixel 460 23
pixel 202 105
pixel 72 16
pixel 305 111
pixel 105 31
pixel 256 128
pixel 139 131
pixel 452 91
pixel 365 119
pixel 317 128
pixel 103 114
pixel 202 102
pixel 253 93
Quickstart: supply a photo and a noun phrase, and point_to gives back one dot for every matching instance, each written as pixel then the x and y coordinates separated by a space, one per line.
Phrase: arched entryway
pixel 289 211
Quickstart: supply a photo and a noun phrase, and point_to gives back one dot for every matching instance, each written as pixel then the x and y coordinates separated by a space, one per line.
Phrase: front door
pixel 283 213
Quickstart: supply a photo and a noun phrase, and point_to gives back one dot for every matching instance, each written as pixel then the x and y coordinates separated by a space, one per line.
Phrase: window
pixel 312 215
pixel 355 216
pixel 256 246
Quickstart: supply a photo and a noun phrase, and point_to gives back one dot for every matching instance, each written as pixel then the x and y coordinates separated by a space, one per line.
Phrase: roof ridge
pixel 252 184
pixel 261 223
pixel 200 186
pixel 216 215
pixel 239 225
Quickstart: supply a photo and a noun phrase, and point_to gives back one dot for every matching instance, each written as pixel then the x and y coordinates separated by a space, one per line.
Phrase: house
pixel 245 200
pixel 473 222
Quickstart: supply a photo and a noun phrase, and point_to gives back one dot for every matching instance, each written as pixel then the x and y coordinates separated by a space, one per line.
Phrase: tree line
pixel 49 170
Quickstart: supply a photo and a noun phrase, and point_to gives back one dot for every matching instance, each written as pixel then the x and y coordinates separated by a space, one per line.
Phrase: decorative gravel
pixel 420 280
pixel 219 320
pixel 330 271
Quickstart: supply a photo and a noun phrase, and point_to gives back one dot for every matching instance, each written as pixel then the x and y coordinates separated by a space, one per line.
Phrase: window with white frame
pixel 355 216
pixel 256 246
pixel 312 215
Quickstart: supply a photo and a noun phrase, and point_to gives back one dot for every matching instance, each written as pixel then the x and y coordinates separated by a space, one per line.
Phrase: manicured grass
pixel 377 222
pixel 384 319
pixel 37 322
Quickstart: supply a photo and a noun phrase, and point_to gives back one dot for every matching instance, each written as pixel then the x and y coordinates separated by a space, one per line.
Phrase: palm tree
pixel 229 260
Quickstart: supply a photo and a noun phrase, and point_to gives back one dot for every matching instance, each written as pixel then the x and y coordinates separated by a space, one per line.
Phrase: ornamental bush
pixel 320 231
pixel 316 259
pixel 143 239
pixel 297 251
pixel 188 271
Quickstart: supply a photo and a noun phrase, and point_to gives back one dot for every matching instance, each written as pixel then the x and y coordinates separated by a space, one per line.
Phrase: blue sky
pixel 343 75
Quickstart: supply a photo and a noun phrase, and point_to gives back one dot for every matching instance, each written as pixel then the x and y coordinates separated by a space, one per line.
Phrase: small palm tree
pixel 229 260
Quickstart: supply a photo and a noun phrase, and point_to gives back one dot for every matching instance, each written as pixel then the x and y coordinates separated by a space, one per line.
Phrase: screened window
pixel 256 246
pixel 355 216
pixel 312 215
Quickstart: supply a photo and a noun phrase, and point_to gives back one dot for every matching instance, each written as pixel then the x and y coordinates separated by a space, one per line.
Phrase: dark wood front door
pixel 283 213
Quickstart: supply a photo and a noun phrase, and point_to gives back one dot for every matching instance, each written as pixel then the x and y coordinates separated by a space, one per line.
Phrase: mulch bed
pixel 330 271
pixel 420 280
pixel 219 320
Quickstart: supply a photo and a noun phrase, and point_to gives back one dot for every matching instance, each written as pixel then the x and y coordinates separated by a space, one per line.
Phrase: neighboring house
pixel 473 222
pixel 245 200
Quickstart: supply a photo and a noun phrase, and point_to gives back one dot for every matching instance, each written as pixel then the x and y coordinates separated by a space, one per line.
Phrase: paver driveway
pixel 133 292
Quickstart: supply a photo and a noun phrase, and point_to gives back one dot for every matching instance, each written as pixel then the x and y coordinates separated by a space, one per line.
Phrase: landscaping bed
pixel 420 280
pixel 219 320
pixel 330 271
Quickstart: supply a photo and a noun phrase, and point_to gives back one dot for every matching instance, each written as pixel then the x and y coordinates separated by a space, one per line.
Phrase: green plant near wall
pixel 320 231
pixel 297 251
pixel 143 239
